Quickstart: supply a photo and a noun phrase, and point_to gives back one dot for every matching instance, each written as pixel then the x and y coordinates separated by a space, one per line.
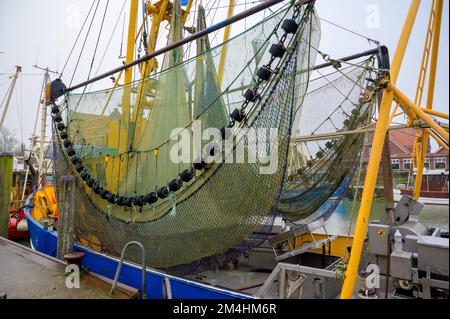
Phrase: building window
pixel 439 163
pixel 395 164
pixel 427 163
pixel 407 164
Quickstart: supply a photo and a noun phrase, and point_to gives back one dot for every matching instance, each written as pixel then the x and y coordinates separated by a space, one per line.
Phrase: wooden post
pixel 6 169
pixel 66 227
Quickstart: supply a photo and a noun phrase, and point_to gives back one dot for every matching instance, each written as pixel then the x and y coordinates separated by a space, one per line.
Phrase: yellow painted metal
pixel 403 41
pixel 159 13
pixel 394 112
pixel 425 56
pixel 126 99
pixel 226 37
pixel 409 106
pixel 149 66
pixel 187 11
pixel 420 164
pixel 435 113
pixel 437 139
pixel 375 157
pixel 437 10
pixel 415 155
pixel 435 52
pixel 367 195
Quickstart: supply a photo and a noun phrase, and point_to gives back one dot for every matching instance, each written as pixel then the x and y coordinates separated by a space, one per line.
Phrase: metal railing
pixel 142 293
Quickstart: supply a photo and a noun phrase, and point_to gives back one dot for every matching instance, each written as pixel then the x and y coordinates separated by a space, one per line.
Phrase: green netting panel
pixel 317 168
pixel 224 204
pixel 207 90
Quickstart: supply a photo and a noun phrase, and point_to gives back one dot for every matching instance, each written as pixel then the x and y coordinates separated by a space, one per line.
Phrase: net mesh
pixel 127 147
pixel 320 169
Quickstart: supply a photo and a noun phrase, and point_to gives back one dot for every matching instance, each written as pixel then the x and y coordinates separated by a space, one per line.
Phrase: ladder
pixel 142 294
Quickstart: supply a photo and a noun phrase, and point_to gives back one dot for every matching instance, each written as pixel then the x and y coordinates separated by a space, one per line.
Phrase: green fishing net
pixel 227 202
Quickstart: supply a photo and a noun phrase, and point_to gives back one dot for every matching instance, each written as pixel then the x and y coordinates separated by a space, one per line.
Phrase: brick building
pixel 401 143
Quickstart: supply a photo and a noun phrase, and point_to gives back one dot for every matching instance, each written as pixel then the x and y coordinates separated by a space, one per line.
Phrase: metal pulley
pixel 366 97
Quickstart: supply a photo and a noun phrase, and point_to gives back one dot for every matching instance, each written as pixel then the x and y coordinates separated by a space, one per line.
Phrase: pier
pixel 27 274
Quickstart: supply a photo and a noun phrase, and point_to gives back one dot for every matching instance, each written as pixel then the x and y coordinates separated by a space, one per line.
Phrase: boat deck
pixel 27 274
pixel 242 279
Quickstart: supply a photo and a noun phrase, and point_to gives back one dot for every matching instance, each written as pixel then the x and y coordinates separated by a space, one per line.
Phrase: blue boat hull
pixel 45 241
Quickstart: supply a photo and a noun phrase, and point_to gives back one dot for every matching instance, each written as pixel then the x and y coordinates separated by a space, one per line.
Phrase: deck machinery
pixel 420 268
pixel 308 264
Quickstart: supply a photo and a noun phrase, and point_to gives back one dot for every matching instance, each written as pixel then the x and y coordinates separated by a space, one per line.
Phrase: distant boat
pixel 17 225
pixel 435 186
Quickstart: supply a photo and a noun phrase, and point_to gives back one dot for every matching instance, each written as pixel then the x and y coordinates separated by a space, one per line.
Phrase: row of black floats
pixel 290 26
pixel 265 72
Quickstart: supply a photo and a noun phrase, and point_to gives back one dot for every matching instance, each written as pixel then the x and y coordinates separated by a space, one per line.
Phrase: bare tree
pixel 8 143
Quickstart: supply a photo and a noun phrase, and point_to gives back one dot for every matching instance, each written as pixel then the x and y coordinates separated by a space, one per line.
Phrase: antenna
pixel 37 56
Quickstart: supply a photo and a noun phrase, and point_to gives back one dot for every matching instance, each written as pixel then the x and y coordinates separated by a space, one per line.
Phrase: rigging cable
pixel 84 44
pixel 110 39
pixel 6 94
pixel 76 40
pixel 351 31
pixel 123 33
pixel 19 104
pixel 98 39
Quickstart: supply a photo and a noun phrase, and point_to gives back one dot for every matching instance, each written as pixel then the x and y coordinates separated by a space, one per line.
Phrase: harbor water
pixel 338 224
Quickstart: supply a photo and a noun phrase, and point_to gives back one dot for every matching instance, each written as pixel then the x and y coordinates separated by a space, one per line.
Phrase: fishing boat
pixel 120 179
pixel 434 188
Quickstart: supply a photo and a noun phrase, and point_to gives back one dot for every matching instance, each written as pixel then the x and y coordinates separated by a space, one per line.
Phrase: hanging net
pixel 320 169
pixel 127 138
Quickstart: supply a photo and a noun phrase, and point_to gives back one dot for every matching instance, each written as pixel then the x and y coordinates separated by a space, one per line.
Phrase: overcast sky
pixel 43 32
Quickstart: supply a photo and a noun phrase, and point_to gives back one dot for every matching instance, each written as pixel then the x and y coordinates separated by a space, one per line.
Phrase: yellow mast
pixel 414 113
pixel 226 37
pixel 375 158
pixel 159 12
pixel 431 85
pixel 158 16
pixel 126 99
pixel 421 83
